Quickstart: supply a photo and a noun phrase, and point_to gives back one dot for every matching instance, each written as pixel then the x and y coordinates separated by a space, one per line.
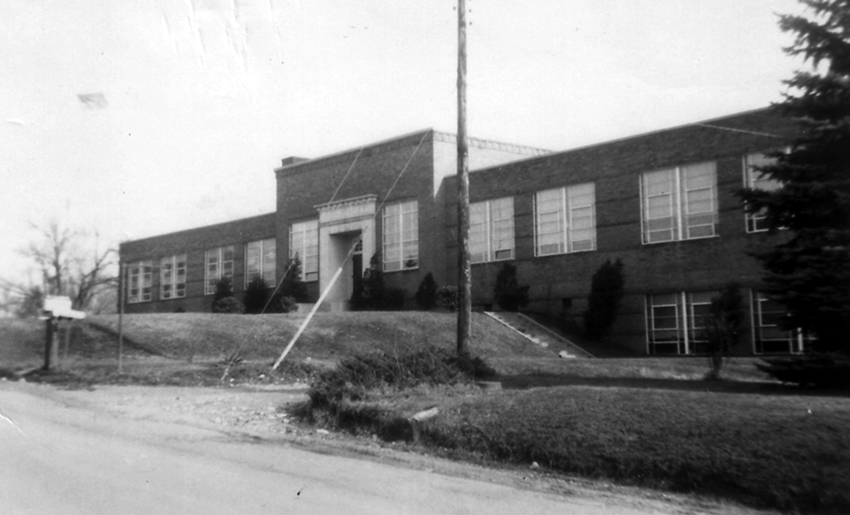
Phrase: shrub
pixel 603 304
pixel 508 293
pixel 394 299
pixel 256 296
pixel 822 370
pixel 283 304
pixel 292 285
pixel 723 327
pixel 448 297
pixel 229 305
pixel 223 289
pixel 368 295
pixel 426 294
pixel 355 377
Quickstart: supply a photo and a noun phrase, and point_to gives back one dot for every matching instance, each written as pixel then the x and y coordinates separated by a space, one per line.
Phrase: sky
pixel 138 118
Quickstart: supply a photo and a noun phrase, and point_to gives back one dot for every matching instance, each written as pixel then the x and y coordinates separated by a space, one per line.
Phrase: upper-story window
pixel 679 203
pixel 565 220
pixel 401 236
pixel 218 263
pixel 260 261
pixel 491 230
pixel 754 179
pixel 140 281
pixel 172 280
pixel 304 243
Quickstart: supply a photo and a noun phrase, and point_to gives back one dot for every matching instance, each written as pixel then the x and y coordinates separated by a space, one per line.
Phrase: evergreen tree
pixel 603 303
pixel 723 326
pixel 369 293
pixel 256 296
pixel 508 293
pixel 223 289
pixel 292 285
pixel 809 271
pixel 426 294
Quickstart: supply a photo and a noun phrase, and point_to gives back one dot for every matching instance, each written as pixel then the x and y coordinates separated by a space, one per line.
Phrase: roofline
pixel 192 229
pixel 627 138
pixel 477 142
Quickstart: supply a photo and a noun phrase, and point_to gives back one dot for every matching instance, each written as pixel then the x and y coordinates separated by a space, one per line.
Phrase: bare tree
pixel 72 263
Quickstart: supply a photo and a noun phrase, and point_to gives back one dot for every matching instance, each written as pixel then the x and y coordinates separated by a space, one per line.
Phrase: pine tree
pixel 603 303
pixel 426 294
pixel 507 292
pixel 292 285
pixel 809 271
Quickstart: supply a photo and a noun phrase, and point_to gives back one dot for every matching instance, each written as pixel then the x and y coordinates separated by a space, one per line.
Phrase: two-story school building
pixel 664 203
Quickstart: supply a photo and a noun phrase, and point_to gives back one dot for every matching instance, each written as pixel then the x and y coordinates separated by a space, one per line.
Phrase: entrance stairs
pixel 539 334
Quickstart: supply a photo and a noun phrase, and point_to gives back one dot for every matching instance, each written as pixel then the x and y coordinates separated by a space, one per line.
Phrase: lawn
pixel 641 421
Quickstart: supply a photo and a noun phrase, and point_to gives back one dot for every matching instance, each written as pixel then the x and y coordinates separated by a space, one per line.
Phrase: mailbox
pixel 60 307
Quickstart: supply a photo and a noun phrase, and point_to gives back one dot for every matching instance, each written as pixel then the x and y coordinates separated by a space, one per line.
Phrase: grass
pixel 329 336
pixel 642 421
pixel 188 349
pixel 790 452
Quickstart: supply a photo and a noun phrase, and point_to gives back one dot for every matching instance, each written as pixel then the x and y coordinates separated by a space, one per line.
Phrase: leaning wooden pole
pixel 464 311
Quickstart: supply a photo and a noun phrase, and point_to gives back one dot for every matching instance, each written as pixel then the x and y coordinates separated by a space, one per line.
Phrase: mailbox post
pixel 55 309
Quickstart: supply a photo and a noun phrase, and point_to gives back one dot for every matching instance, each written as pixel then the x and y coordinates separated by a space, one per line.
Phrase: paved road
pixel 60 456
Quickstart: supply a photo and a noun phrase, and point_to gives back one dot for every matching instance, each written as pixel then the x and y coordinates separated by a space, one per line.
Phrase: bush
pixel 355 377
pixel 448 297
pixel 603 303
pixel 723 327
pixel 229 305
pixel 827 370
pixel 426 294
pixel 256 296
pixel 394 299
pixel 508 293
pixel 292 285
pixel 283 304
pixel 223 289
pixel 369 293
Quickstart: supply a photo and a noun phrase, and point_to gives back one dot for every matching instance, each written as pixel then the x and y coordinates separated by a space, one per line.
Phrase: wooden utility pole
pixel 464 310
pixel 122 292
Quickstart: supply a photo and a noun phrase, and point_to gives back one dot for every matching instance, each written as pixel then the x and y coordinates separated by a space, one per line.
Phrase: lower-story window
pixel 140 281
pixel 767 336
pixel 674 322
pixel 172 281
pixel 260 261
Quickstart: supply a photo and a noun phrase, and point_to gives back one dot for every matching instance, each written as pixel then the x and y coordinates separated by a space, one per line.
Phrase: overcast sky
pixel 202 98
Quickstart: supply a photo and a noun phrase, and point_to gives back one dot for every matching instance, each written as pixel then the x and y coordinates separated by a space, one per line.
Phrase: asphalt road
pixel 61 455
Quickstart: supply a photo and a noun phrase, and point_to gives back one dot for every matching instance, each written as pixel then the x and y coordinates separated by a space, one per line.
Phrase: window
pixel 679 203
pixel 172 280
pixel 304 243
pixel 140 281
pixel 755 180
pixel 565 220
pixel 491 230
pixel 675 322
pixel 401 236
pixel 218 264
pixel 260 261
pixel 767 336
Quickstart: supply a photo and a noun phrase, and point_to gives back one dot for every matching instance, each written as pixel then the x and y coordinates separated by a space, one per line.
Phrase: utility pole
pixel 464 311
pixel 122 292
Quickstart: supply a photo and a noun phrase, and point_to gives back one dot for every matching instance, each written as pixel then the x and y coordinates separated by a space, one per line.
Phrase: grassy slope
pixel 786 452
pixel 327 337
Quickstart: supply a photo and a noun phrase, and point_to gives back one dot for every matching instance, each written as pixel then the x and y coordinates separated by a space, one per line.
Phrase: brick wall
pixel 194 243
pixel 615 167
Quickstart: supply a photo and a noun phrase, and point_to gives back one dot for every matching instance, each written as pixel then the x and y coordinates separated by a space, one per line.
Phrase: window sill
pixel 682 241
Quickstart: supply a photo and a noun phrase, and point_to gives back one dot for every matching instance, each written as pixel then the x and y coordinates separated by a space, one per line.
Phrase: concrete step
pixel 539 334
